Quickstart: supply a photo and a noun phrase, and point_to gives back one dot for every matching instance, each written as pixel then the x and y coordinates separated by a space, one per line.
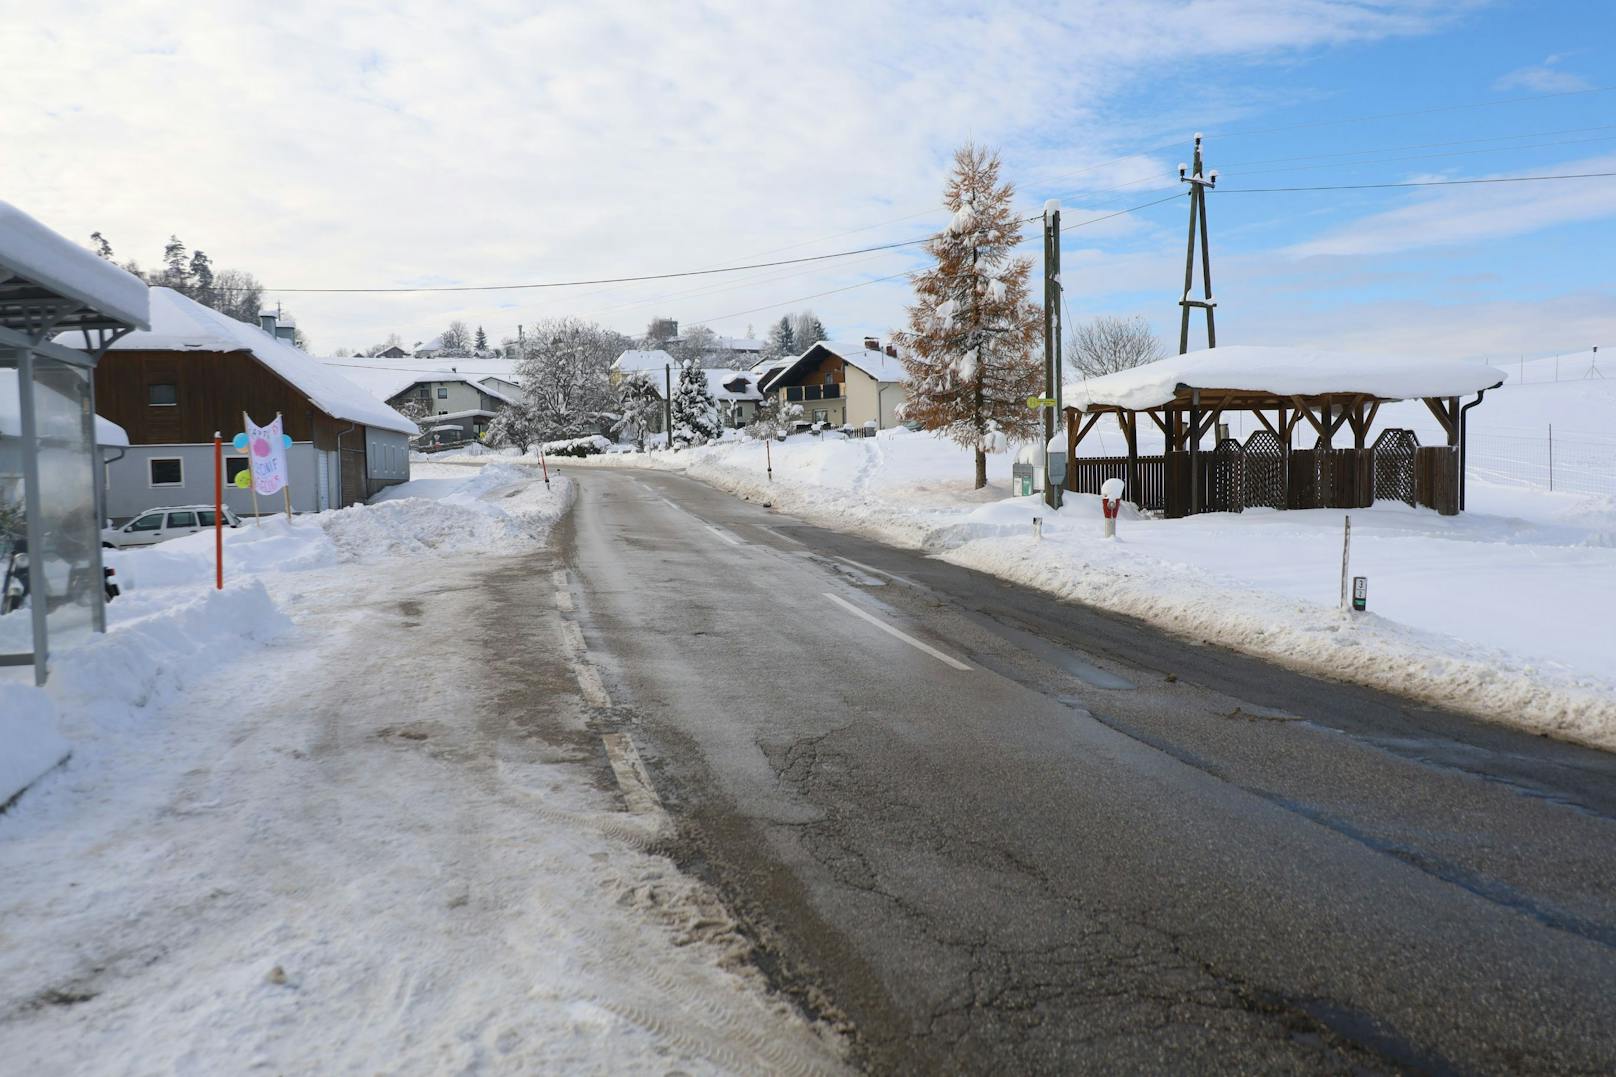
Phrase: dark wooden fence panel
pixel 1085 474
pixel 1436 478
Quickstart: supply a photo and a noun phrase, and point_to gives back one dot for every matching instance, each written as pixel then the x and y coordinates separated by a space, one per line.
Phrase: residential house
pixel 842 383
pixel 195 372
pixel 735 392
pixel 394 352
pixel 453 405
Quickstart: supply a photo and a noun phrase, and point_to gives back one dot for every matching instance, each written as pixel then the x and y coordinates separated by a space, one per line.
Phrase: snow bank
pixel 29 742
pixel 171 625
pixel 1499 612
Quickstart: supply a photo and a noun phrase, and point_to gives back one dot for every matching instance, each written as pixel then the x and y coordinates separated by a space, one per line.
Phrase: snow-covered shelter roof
pixel 179 324
pixel 1281 372
pixel 37 266
pixel 855 353
pixel 640 359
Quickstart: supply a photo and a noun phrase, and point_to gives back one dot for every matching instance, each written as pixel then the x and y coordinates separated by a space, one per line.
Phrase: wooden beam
pixel 1439 408
pixel 1086 427
pixel 1261 418
pixel 1210 420
pixel 1157 419
pixel 1303 409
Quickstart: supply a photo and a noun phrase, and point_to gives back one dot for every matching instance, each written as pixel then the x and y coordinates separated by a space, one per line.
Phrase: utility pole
pixel 667 402
pixel 1052 342
pixel 1198 186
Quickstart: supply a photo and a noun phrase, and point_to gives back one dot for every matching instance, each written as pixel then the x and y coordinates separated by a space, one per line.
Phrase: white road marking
pixel 778 535
pixel 574 640
pixel 589 683
pixel 638 792
pixel 725 535
pixel 564 601
pixel 559 578
pixel 889 630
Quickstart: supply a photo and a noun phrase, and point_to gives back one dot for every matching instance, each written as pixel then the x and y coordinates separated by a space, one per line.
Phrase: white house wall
pixel 129 490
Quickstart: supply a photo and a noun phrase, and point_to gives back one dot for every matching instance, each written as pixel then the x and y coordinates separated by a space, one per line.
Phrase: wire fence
pixel 1582 464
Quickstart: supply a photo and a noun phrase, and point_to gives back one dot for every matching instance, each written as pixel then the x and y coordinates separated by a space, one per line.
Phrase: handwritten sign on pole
pixel 266 455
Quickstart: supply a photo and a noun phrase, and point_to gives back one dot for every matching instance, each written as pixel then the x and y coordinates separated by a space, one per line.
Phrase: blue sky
pixel 418 142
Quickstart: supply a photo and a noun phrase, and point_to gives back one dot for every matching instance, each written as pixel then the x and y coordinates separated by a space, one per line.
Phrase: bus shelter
pixel 1291 393
pixel 60 308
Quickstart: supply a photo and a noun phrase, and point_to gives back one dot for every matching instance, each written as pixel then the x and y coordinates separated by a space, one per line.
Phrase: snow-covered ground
pixel 1502 611
pixel 347 815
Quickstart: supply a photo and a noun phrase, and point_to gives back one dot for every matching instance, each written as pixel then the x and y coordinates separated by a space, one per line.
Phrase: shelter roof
pixel 1282 372
pixel 38 265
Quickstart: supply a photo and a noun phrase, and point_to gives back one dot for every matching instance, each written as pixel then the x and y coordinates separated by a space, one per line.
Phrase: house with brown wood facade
pixel 195 372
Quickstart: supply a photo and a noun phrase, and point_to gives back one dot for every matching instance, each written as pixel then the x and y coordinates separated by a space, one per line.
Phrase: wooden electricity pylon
pixel 1198 185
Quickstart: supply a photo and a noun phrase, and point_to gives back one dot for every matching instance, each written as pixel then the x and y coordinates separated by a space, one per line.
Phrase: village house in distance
pixel 194 372
pixel 842 383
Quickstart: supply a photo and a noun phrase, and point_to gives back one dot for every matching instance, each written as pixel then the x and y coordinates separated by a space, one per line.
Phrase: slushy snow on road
pixel 348 815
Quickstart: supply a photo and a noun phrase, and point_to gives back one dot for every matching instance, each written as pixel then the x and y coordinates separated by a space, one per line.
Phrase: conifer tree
pixel 969 351
pixel 482 340
pixel 782 341
pixel 693 406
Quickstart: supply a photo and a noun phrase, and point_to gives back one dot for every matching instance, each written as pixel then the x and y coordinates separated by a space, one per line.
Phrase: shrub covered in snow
pixel 593 445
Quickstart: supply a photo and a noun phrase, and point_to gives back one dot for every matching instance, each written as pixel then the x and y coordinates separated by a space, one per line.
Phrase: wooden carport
pixel 1332 393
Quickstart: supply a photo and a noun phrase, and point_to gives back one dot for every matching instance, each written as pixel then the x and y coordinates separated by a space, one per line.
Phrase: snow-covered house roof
pixel 723 383
pixel 384 380
pixel 108 434
pixel 38 264
pixel 1282 372
pixel 855 353
pixel 183 325
pixel 640 359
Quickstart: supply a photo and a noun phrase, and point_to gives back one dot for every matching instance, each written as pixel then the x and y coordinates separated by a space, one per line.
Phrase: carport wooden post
pixel 1131 428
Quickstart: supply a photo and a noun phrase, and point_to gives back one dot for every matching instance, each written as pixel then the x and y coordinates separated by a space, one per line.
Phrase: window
pixel 443 392
pixel 821 415
pixel 182 519
pixel 205 518
pixel 233 466
pixel 162 394
pixel 152 521
pixel 166 471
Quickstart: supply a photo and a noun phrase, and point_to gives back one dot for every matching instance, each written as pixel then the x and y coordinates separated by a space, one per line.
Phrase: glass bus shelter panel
pixel 17 626
pixel 65 571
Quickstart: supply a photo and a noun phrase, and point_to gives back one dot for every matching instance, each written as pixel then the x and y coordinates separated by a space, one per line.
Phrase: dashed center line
pixel 948 660
pixel 725 535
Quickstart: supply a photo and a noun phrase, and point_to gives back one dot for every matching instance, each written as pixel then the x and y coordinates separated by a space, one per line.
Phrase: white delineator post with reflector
pixel 1111 494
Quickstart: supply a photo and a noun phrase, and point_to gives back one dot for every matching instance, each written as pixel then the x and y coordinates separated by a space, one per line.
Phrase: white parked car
pixel 158 525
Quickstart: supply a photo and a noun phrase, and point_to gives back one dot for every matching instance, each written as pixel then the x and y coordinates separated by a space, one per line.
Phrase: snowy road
pixel 1002 833
pixel 393 841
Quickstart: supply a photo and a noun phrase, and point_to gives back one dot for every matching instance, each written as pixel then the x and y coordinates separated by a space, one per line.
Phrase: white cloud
pixel 1443 216
pixel 1546 77
pixel 408 142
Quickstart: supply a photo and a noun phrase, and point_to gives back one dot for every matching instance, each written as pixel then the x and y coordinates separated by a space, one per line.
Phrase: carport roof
pixel 43 275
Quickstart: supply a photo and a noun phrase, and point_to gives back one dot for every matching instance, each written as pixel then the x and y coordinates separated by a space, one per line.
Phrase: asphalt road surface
pixel 992 831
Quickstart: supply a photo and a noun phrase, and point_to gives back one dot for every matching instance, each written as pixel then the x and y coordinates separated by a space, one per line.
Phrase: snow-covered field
pixel 302 831
pixel 1502 611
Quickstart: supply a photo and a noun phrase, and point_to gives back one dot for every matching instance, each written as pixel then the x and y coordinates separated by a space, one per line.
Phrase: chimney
pixel 266 321
pixel 892 351
pixel 872 344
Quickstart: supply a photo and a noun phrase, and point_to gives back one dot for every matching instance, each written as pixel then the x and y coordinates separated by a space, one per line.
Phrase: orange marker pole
pixel 544 465
pixel 218 511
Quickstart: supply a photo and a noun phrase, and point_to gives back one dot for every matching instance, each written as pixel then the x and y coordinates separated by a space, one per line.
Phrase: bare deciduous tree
pixel 1109 343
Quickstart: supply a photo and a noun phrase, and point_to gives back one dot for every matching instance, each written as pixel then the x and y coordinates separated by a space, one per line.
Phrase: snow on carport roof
pixel 1282 372
pixel 180 324
pixel 57 266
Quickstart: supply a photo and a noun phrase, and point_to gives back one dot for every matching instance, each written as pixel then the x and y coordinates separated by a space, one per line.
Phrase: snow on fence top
pixel 30 250
pixel 1282 372
pixel 181 324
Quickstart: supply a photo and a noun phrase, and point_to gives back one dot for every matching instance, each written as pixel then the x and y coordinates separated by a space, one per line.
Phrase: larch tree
pixel 971 348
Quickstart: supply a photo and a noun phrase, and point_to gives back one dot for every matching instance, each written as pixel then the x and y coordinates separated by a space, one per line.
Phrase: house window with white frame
pixel 165 471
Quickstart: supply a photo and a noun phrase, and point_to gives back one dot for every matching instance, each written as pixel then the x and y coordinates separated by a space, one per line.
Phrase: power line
pixel 1412 183
pixel 1411 112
